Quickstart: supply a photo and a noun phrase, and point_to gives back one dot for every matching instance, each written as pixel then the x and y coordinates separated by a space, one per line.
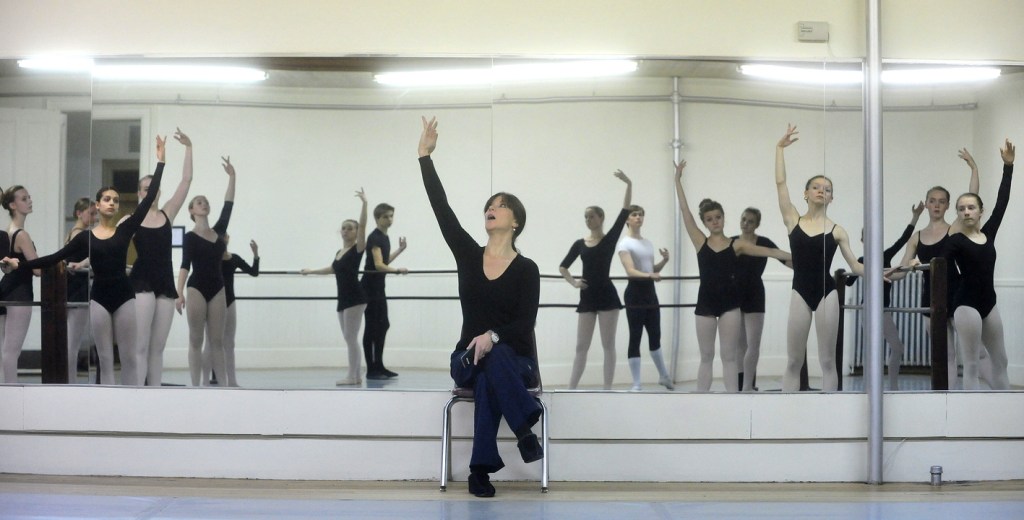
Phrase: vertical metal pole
pixel 677 285
pixel 873 236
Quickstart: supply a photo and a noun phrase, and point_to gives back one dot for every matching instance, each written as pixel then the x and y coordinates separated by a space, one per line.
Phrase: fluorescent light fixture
pixel 182 73
pixel 917 76
pixel 58 63
pixel 505 73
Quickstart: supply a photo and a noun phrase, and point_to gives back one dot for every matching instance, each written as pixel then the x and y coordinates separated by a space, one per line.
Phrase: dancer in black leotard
pixel 351 298
pixel 378 263
pixel 813 240
pixel 229 264
pixel 752 297
pixel 78 286
pixel 929 243
pixel 112 300
pixel 152 273
pixel 718 298
pixel 973 249
pixel 499 290
pixel 889 330
pixel 16 285
pixel 599 301
pixel 203 250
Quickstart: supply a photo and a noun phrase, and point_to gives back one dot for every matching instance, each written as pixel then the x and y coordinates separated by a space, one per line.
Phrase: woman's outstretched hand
pixel 161 152
pixel 182 138
pixel 428 139
pixel 790 136
pixel 228 167
pixel 967 157
pixel 1008 152
pixel 680 166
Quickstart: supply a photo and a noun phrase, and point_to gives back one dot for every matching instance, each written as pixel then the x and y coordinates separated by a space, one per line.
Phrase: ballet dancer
pixel 203 248
pixel 889 330
pixel 152 273
pixel 973 249
pixel 813 240
pixel 16 285
pixel 78 286
pixel 499 291
pixel 351 298
pixel 752 297
pixel 599 301
pixel 378 264
pixel 229 264
pixel 642 308
pixel 718 298
pixel 111 299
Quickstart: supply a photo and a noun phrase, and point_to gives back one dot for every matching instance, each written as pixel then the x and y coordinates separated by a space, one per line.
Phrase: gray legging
pixel 155 314
pixel 979 335
pixel 826 324
pixel 585 334
pixel 350 319
pixel 205 318
pixel 78 324
pixel 13 328
pixel 750 347
pixel 120 327
pixel 729 327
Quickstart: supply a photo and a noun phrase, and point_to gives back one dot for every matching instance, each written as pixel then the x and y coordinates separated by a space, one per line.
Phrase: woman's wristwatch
pixel 494 337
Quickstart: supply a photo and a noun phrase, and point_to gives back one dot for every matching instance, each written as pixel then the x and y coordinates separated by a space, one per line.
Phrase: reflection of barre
pixel 389 298
pixel 452 271
pixel 20 304
pixel 919 310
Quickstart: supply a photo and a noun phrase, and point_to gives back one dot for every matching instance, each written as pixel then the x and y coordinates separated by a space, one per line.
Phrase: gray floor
pixel 23 497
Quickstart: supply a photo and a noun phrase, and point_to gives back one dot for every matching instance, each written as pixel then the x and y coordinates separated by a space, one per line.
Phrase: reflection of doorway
pixel 123 175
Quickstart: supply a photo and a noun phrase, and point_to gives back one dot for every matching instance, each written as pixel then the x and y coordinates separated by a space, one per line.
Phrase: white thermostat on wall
pixel 812 31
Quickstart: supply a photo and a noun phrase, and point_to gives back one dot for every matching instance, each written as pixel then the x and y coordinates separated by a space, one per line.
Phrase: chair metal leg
pixel 446 444
pixel 547 451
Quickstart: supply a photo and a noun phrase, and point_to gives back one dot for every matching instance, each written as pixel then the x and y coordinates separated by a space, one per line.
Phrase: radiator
pixel 905 293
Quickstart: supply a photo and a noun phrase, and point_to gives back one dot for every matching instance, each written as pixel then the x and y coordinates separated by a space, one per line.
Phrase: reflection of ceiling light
pixel 503 73
pixel 189 73
pixel 851 77
pixel 58 63
pixel 145 72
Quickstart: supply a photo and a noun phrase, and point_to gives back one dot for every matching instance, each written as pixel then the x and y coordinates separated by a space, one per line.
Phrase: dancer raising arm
pixel 718 298
pixel 78 286
pixel 499 292
pixel 599 301
pixel 203 248
pixel 351 298
pixel 112 299
pixel 813 240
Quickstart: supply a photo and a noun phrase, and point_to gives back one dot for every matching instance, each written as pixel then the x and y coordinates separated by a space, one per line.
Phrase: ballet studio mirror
pixel 314 131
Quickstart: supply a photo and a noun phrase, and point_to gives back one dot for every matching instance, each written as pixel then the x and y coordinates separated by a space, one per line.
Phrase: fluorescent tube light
pixel 917 76
pixel 183 73
pixel 502 73
pixel 58 63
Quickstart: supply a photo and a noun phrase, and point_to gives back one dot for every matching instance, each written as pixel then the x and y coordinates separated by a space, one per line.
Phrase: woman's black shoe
pixel 530 448
pixel 480 485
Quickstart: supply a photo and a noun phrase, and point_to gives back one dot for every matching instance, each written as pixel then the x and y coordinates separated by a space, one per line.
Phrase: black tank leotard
pixel 228 268
pixel 600 294
pixel 346 272
pixel 977 262
pixel 78 281
pixel 749 282
pixel 153 270
pixel 812 260
pixel 17 285
pixel 718 292
pixel 111 287
pixel 206 257
pixel 925 253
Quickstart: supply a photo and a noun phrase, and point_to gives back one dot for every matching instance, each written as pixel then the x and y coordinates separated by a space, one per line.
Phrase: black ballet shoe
pixel 376 375
pixel 389 373
pixel 530 448
pixel 480 485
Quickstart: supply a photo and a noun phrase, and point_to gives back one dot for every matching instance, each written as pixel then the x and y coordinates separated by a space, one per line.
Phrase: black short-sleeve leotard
pixel 346 272
pixel 887 257
pixel 748 277
pixel 110 287
pixel 812 260
pixel 205 257
pixel 17 285
pixel 506 305
pixel 600 294
pixel 718 292
pixel 153 270
pixel 372 281
pixel 228 268
pixel 977 262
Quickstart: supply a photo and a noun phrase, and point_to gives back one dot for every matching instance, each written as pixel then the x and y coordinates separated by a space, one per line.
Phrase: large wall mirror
pixel 304 140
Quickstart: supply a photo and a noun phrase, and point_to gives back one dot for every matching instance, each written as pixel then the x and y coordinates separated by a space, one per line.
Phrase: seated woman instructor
pixel 499 291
